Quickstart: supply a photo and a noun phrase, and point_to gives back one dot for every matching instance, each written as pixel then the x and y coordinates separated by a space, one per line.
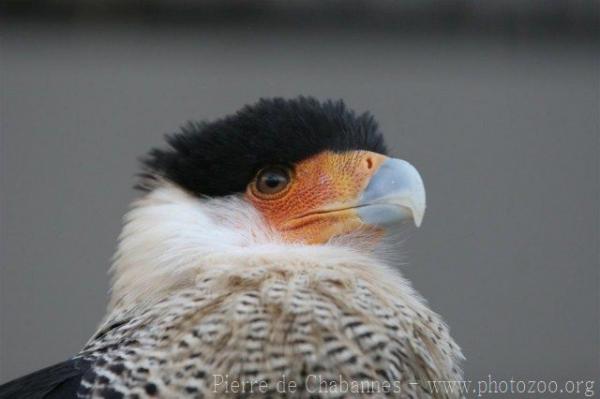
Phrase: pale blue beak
pixel 395 194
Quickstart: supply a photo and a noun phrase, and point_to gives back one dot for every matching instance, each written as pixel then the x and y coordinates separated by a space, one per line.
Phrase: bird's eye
pixel 272 180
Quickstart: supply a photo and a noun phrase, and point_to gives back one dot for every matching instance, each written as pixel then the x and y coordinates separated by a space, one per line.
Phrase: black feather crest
pixel 221 157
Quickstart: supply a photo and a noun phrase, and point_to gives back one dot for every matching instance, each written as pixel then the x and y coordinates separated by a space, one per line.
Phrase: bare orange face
pixel 318 198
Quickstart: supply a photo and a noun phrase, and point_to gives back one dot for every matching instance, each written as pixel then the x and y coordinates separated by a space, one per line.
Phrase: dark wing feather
pixel 59 381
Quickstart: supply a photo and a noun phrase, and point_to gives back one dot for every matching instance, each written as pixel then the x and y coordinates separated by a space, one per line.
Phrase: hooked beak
pixel 394 194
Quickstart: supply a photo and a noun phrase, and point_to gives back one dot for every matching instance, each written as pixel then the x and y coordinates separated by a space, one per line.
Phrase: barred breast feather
pixel 303 330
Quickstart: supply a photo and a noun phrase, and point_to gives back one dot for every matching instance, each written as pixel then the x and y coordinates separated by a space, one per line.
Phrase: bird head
pixel 281 181
pixel 313 171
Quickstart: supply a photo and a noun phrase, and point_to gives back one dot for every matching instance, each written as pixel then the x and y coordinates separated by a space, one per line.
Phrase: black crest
pixel 222 157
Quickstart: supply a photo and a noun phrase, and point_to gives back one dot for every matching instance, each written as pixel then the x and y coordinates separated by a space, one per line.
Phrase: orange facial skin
pixel 320 200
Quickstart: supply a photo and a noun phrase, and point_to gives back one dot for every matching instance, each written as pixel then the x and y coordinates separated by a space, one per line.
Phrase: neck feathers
pixel 171 238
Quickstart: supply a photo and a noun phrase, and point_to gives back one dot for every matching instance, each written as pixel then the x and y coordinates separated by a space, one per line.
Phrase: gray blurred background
pixel 495 102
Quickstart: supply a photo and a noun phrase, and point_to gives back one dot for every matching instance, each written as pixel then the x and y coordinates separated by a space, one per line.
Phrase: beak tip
pixel 418 210
pixel 418 218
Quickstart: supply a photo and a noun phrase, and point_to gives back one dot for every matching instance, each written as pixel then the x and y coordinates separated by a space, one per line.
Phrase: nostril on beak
pixel 369 163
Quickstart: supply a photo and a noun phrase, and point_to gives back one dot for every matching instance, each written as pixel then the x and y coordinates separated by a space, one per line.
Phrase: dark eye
pixel 272 180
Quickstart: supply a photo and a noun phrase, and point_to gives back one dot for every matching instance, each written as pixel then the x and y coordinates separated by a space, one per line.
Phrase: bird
pixel 258 261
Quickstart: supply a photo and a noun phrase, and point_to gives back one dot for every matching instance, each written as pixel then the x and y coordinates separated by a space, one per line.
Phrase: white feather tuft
pixel 170 237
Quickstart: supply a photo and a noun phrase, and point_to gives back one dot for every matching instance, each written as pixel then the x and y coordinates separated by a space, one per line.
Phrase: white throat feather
pixel 170 238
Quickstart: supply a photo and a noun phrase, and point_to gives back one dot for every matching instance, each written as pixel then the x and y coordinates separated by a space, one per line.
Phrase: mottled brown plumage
pixel 353 318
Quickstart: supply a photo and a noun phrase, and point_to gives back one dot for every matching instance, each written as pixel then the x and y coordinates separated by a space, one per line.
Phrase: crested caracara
pixel 256 263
